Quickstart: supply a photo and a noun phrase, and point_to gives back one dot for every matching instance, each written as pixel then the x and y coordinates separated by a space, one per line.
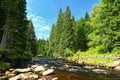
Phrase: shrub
pixel 68 52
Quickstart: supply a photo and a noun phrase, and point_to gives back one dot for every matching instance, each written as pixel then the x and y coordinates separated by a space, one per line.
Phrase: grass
pixel 98 59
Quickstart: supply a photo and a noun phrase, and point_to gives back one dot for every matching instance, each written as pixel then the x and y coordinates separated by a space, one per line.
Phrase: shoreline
pixel 98 61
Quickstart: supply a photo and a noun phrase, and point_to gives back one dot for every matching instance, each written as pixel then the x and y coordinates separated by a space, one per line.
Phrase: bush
pixel 116 50
pixel 97 49
pixel 18 56
pixel 68 52
pixel 3 53
pixel 56 55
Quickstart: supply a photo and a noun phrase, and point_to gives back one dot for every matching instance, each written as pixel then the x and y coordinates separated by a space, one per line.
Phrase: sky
pixel 44 13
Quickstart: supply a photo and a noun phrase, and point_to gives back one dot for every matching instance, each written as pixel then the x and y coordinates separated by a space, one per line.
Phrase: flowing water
pixel 71 71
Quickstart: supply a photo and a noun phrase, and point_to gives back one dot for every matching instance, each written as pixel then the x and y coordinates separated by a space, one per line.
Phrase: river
pixel 65 70
pixel 71 71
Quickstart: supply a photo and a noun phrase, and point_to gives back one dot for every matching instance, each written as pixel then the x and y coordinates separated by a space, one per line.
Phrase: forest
pixel 17 36
pixel 95 33
pixel 98 31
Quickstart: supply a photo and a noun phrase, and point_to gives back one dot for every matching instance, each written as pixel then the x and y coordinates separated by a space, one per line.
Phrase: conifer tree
pixel 31 39
pixel 14 37
pixel 105 22
pixel 52 41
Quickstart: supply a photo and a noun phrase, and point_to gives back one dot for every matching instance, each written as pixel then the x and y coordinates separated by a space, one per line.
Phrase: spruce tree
pixel 14 37
pixel 51 48
pixel 105 23
pixel 67 34
pixel 31 39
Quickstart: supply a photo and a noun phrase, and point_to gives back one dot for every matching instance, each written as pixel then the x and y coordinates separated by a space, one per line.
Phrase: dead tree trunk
pixel 4 39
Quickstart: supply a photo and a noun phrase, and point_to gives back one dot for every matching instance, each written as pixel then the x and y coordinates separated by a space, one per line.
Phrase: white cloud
pixel 42 27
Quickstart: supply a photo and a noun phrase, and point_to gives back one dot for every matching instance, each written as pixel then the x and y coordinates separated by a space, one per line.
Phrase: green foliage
pixel 31 43
pixel 97 49
pixel 42 47
pixel 105 23
pixel 26 56
pixel 93 58
pixel 82 30
pixel 68 52
pixel 3 66
pixel 16 32
pixel 3 52
pixel 62 34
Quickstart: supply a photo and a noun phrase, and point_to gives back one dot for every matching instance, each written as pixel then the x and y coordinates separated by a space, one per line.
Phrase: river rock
pixel 117 68
pixel 39 68
pixel 7 72
pixel 66 66
pixel 99 71
pixel 3 78
pixel 11 69
pixel 45 65
pixel 34 66
pixel 47 72
pixel 11 75
pixel 20 76
pixel 55 78
pixel 89 67
pixel 31 75
pixel 53 67
pixel 116 63
pixel 22 70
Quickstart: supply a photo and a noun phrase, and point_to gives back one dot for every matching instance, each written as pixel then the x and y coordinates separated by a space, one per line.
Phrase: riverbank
pixel 96 59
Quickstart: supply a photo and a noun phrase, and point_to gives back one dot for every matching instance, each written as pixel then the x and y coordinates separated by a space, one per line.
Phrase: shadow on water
pixel 64 75
pixel 71 71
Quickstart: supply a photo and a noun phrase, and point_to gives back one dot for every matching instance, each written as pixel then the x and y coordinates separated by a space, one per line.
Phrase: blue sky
pixel 44 13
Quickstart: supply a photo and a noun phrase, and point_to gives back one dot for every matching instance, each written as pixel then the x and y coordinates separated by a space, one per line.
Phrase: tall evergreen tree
pixel 51 48
pixel 105 22
pixel 59 29
pixel 42 47
pixel 14 37
pixel 62 34
pixel 31 39
pixel 82 29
